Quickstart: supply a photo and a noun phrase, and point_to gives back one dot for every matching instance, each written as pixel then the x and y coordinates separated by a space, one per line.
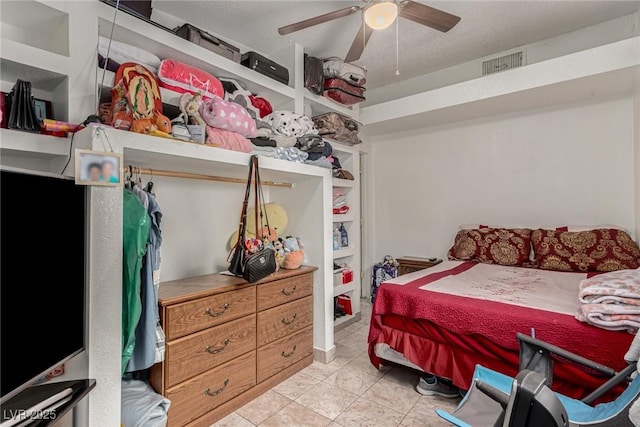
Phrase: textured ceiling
pixel 486 27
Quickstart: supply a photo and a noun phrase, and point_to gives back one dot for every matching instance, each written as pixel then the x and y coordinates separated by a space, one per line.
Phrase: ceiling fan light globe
pixel 381 15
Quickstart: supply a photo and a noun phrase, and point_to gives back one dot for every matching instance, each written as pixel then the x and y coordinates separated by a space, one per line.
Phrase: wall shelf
pixel 343 183
pixel 344 252
pixel 607 69
pixel 34 145
pixel 168 45
pixel 320 105
pixel 343 289
pixel 348 217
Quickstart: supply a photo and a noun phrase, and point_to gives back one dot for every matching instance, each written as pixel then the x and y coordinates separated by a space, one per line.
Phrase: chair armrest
pixel 566 354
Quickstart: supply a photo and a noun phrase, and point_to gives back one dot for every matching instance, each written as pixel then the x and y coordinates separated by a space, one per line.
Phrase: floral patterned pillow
pixel 504 246
pixel 603 249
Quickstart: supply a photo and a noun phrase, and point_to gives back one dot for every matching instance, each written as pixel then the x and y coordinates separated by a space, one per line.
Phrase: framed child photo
pixel 98 168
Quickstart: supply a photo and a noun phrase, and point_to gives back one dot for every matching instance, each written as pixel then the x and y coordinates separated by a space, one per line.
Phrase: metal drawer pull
pixel 218 391
pixel 290 292
pixel 217 313
pixel 217 350
pixel 288 354
pixel 288 322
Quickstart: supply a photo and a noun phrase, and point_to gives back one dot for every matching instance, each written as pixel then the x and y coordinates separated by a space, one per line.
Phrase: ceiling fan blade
pixel 320 19
pixel 357 47
pixel 429 16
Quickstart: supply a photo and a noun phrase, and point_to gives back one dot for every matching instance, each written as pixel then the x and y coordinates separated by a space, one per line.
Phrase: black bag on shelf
pixel 209 42
pixel 22 115
pixel 265 66
pixel 313 74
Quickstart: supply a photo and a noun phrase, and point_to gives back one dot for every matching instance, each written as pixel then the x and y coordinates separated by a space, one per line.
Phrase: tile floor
pixel 347 392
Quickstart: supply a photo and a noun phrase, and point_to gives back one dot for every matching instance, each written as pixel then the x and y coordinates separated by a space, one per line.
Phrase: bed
pixel 447 319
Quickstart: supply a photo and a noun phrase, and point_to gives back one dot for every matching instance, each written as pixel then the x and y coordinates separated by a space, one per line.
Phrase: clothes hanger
pixel 149 187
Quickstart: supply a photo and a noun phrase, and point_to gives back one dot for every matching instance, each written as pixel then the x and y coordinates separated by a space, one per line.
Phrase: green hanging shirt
pixel 135 234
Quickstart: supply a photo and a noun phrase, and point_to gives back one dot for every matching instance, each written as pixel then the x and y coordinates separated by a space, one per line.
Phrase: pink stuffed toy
pixel 226 115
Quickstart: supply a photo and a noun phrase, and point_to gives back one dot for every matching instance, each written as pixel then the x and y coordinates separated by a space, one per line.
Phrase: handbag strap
pixel 260 204
pixel 242 228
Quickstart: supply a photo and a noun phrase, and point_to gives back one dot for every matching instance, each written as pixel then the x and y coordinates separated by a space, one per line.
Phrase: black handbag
pixel 252 266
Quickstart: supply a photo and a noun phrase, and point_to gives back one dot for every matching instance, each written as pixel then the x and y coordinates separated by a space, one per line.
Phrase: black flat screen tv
pixel 43 224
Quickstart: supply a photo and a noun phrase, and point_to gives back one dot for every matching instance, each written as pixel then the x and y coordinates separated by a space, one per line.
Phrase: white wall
pixel 571 164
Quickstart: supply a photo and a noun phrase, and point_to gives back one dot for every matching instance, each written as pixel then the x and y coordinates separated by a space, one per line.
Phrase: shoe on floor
pixel 436 388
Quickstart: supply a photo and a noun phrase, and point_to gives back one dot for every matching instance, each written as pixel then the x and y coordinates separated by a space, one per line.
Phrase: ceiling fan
pixel 378 15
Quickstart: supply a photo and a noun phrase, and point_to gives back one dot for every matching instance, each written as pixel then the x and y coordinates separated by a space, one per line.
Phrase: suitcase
pixel 313 74
pixel 209 42
pixel 265 66
pixel 343 92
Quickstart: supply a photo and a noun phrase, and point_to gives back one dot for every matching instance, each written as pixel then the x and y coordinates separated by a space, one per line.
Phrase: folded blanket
pixel 614 317
pixel 616 287
pixel 228 140
pixel 291 154
pixel 141 406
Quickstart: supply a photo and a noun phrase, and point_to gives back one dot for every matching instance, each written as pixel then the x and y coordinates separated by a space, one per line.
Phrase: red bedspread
pixel 448 335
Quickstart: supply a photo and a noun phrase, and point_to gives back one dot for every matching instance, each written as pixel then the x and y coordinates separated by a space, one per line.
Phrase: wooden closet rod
pixel 186 175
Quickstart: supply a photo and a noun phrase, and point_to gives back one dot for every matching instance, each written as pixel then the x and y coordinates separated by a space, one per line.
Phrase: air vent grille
pixel 502 63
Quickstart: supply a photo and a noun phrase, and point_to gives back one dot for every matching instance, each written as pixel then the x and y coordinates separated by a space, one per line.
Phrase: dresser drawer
pixel 188 317
pixel 196 353
pixel 282 320
pixel 282 291
pixel 205 392
pixel 275 356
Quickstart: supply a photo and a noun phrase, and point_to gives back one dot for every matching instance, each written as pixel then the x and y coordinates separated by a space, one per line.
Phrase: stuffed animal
pixel 190 107
pixel 294 257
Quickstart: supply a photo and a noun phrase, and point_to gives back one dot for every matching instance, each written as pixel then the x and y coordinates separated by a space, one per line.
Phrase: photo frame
pixel 42 109
pixel 98 168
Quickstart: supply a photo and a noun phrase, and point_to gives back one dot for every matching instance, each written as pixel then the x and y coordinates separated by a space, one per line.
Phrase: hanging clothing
pixel 149 337
pixel 136 226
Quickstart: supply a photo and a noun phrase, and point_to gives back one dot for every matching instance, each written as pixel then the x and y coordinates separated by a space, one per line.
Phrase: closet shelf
pixel 345 183
pixel 340 320
pixel 344 252
pixel 166 44
pixel 344 289
pixel 348 217
pixel 26 58
pixel 151 152
pixel 32 145
pixel 320 105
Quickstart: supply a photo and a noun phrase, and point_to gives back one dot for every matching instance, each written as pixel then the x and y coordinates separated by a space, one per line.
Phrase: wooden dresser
pixel 409 264
pixel 228 341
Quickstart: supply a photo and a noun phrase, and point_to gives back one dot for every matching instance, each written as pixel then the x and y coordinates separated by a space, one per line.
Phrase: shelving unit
pixel 349 157
pixel 52 44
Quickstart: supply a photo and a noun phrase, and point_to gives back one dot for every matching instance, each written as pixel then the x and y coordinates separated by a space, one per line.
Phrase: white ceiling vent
pixel 502 63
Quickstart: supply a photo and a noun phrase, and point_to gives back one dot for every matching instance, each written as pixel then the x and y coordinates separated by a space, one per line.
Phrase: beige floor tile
pixel 335 424
pixel 263 407
pixel 364 413
pixel 424 412
pixel 320 370
pixel 393 395
pixel 295 414
pixel 233 420
pixel 341 334
pixel 352 380
pixel 362 363
pixel 354 327
pixel 327 400
pixel 294 386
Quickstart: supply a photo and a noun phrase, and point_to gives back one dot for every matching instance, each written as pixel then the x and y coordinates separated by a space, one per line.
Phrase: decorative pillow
pixel 226 115
pixel 504 246
pixel 603 249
